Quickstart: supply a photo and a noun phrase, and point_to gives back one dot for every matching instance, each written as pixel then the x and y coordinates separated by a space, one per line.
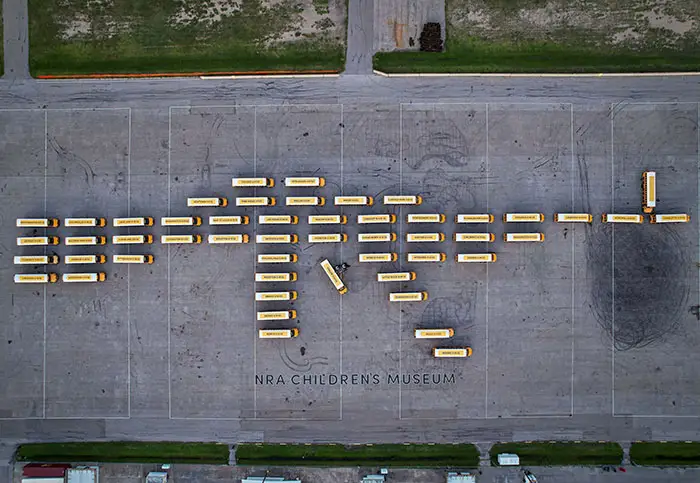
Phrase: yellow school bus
pixel 252 182
pixel 452 352
pixel 648 191
pixel 469 218
pixel 396 277
pixel 334 278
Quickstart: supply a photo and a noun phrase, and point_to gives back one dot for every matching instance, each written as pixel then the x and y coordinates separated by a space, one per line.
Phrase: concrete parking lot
pixel 598 319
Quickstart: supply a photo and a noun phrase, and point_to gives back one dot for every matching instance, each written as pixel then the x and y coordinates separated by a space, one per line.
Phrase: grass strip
pixel 478 56
pixel 82 58
pixel 397 455
pixel 125 452
pixel 560 453
pixel 665 454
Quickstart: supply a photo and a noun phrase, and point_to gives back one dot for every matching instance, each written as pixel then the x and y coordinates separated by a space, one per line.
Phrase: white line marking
pixel 89 109
pixel 128 276
pixel 170 378
pixel 573 260
pixel 612 204
pixel 669 416
pixel 488 175
pixel 400 242
pixel 46 172
pixel 236 106
pixel 255 254
pixel 698 171
pixel 342 147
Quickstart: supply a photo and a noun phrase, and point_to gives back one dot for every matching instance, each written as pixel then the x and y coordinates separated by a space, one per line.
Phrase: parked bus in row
pixel 475 257
pixel 328 220
pixel 523 218
pixel 648 191
pixel 425 237
pixel 376 237
pixel 85 277
pixel 473 237
pixel 523 237
pixel 276 277
pixel 327 237
pixel 618 218
pixel 36 260
pixel 304 182
pixel 353 201
pixel 133 221
pixel 278 219
pixel 377 257
pixel 36 278
pixel 228 220
pixel 396 277
pixel 287 238
pixel 256 201
pixel 38 222
pixel 211 201
pixel 433 333
pixel 180 239
pixel 252 182
pixel 468 218
pixel 573 218
pixel 274 296
pixel 37 240
pixel 425 218
pixel 408 296
pixel 426 257
pixel 180 221
pixel 80 222
pixel 85 240
pixel 277 258
pixel 145 259
pixel 452 352
pixel 679 218
pixel 389 218
pixel 229 238
pixel 333 276
pixel 278 333
pixel 84 259
pixel 132 239
pixel 403 200
pixel 277 315
pixel 305 201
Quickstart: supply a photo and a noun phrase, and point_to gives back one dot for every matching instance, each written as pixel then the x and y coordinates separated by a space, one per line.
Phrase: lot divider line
pixel 698 171
pixel 536 75
pixel 46 174
pixel 170 378
pixel 128 277
pixel 612 256
pixel 342 146
pixel 486 351
pixel 400 245
pixel 255 261
pixel 573 262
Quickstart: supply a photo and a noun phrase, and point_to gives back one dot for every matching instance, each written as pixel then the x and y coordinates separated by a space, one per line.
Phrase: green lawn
pixel 478 56
pixel 125 452
pixel 397 455
pixel 178 36
pixel 586 36
pixel 666 454
pixel 561 453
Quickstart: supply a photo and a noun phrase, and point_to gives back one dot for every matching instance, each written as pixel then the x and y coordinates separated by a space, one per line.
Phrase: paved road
pixel 360 37
pixel 16 28
pixel 347 89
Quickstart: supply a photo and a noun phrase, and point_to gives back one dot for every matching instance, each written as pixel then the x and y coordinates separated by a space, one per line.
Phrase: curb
pixel 201 75
pixel 602 74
